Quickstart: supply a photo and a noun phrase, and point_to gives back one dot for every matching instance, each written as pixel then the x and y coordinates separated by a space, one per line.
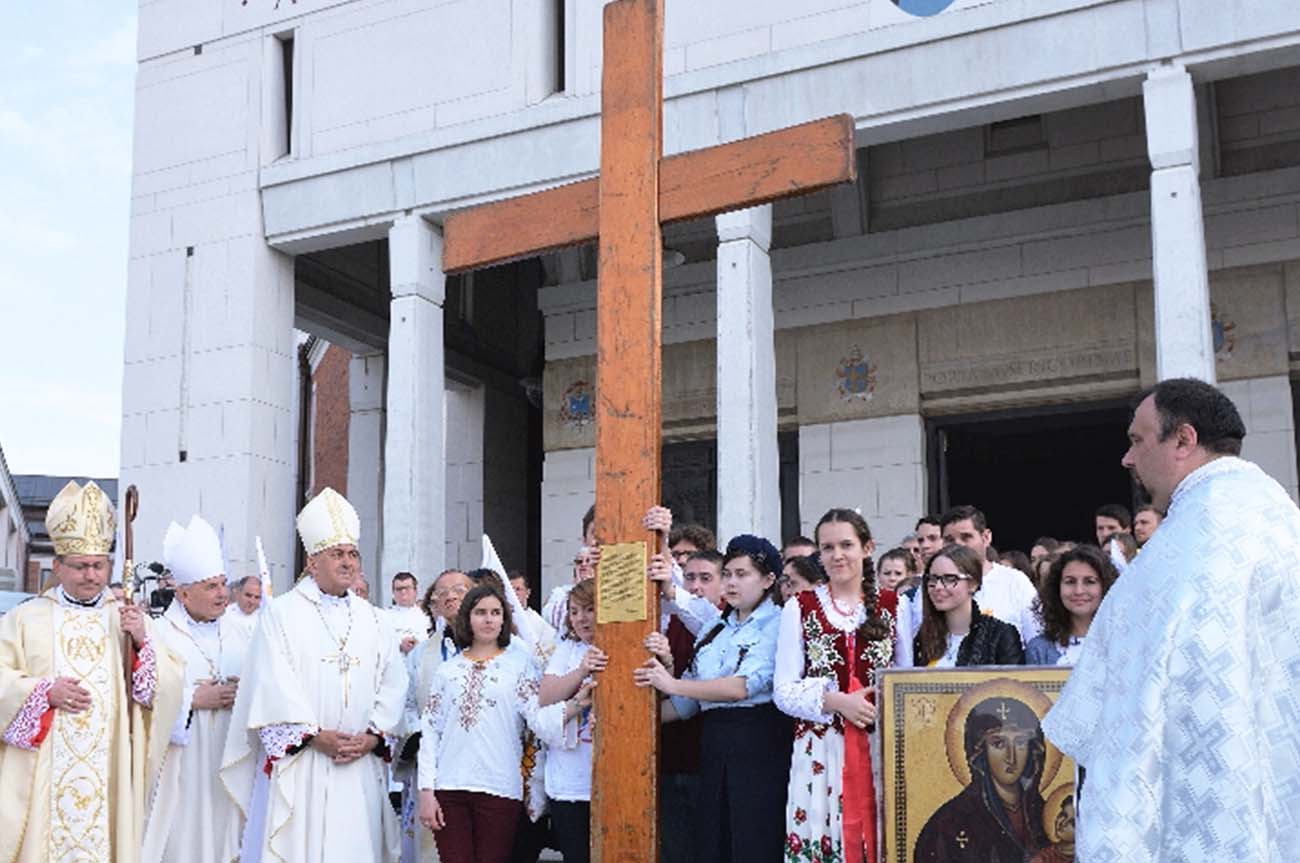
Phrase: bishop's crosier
pixel 323 686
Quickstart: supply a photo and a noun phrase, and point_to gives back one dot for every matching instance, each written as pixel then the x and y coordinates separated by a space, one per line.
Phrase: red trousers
pixel 480 828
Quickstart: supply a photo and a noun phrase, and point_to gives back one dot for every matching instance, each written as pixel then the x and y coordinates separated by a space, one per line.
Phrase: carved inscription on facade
pixel 996 371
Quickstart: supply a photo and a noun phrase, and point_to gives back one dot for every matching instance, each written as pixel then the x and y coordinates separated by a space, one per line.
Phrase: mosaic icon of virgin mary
pixel 998 816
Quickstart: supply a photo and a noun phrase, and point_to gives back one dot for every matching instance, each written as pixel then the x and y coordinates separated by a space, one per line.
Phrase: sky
pixel 67 83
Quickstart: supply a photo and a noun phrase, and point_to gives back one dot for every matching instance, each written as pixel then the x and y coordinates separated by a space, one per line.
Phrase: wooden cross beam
pixel 636 192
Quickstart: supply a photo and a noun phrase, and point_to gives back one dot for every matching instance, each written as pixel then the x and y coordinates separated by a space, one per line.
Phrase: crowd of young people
pixel 765 662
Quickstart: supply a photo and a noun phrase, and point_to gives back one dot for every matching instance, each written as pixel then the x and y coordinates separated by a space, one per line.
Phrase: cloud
pixel 117 48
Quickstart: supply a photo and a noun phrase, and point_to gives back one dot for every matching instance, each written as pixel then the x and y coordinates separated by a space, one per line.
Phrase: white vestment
pixel 247 622
pixel 191 819
pixel 317 811
pixel 1184 707
pixel 409 622
pixel 1009 595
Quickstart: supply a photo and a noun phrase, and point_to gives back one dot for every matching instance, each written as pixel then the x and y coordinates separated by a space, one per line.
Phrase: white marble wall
pixel 876 466
pixel 463 429
pixel 1266 407
pixel 568 489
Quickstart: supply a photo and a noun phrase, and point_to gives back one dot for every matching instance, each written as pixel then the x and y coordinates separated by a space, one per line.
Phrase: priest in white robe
pixel 1184 706
pixel 191 818
pixel 246 603
pixel 322 690
pixel 87 694
pixel 409 620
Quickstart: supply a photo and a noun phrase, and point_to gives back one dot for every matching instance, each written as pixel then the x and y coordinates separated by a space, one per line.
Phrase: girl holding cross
pixel 745 740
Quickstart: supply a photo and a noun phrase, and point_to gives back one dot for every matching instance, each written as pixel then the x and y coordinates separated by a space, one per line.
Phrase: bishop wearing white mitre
pixel 324 685
pixel 191 818
pixel 87 695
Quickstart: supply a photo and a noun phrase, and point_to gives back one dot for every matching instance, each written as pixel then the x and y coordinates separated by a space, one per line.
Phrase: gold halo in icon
pixel 1001 687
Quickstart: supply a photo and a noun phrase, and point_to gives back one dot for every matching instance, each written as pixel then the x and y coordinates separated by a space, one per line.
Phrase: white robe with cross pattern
pixel 1183 705
pixel 294 685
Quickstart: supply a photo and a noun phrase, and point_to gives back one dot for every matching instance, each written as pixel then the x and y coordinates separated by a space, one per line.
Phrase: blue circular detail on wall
pixel 923 7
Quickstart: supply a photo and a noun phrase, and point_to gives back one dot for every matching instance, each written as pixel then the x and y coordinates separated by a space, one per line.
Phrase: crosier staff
pixel 131 508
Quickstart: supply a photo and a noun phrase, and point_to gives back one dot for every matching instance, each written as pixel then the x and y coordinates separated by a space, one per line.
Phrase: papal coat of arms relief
pixel 855 378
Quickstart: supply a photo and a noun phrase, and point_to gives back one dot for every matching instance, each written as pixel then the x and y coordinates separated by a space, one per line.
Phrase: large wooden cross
pixel 636 192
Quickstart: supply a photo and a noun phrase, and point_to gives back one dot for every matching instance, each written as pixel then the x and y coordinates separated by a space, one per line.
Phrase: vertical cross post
pixel 628 311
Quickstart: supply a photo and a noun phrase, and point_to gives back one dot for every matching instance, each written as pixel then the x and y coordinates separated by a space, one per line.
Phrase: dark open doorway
pixel 1034 472
pixel 690 483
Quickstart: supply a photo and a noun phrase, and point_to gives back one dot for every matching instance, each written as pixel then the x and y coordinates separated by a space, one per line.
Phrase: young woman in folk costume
pixel 832 639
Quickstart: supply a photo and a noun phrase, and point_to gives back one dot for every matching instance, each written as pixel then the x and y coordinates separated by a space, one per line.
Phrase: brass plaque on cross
pixel 621 583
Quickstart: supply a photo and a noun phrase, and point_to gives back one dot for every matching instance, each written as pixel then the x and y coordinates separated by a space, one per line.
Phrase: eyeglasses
pixel 948 581
pixel 83 565
pixel 453 591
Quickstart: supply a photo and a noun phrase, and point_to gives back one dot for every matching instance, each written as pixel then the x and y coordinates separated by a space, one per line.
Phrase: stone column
pixel 414 485
pixel 1184 344
pixel 366 456
pixel 748 466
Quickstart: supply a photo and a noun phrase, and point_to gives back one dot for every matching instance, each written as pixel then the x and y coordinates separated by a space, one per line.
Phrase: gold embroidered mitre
pixel 81 520
pixel 326 521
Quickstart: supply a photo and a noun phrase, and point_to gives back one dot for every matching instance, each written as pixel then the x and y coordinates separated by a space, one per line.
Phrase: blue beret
pixel 758 549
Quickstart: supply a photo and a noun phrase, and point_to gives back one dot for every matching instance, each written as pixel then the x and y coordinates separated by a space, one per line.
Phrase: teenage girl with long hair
pixel 832 640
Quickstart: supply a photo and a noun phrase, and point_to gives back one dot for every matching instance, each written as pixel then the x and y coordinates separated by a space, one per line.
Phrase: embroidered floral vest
pixel 825 647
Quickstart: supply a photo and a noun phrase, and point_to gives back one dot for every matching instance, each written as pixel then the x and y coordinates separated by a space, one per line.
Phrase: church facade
pixel 1057 202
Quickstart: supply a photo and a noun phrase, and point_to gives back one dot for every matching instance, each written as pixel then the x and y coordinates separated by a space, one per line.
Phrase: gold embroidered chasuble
pixel 80 796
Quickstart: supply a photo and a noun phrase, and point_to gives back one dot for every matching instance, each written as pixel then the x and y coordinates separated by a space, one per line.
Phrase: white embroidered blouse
pixel 473 723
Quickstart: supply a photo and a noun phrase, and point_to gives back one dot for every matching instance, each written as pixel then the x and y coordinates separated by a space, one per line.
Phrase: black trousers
pixel 744 770
pixel 571 827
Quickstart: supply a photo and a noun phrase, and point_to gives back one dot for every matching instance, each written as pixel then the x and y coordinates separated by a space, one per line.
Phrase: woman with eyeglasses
pixel 954 633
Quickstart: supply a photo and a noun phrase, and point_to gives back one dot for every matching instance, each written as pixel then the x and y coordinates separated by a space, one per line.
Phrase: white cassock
pixel 191 818
pixel 247 622
pixel 323 662
pixel 409 622
pixel 1184 707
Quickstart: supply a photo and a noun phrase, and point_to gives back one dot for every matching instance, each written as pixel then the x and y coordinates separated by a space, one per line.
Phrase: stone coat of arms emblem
pixel 855 378
pixel 1224 332
pixel 576 406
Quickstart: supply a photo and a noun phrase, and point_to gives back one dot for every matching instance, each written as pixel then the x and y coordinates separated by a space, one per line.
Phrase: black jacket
pixel 989 642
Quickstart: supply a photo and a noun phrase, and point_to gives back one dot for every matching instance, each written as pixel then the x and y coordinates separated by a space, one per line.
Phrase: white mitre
pixel 326 521
pixel 193 553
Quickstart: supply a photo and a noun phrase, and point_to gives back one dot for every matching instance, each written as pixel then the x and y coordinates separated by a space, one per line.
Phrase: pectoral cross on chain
pixel 345 662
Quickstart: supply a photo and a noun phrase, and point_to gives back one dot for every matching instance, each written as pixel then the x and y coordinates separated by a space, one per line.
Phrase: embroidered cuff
pixel 33 720
pixel 144 674
pixel 803 698
pixel 386 746
pixel 282 740
pixel 411 748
